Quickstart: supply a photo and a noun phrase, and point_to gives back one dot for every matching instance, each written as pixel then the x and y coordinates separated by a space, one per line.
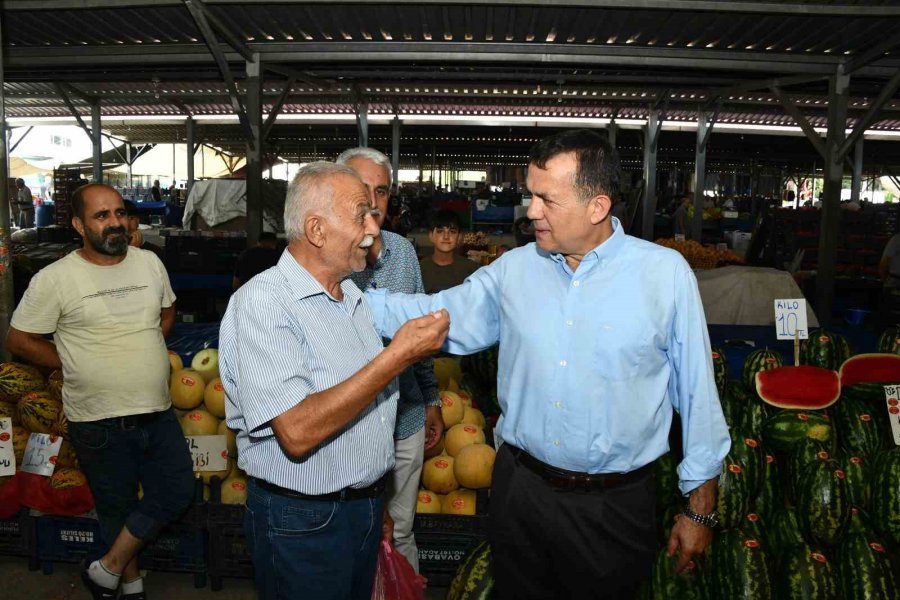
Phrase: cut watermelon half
pixel 871 368
pixel 807 388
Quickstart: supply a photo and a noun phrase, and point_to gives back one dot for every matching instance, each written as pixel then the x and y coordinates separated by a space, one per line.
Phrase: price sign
pixel 41 453
pixel 679 237
pixel 209 452
pixel 7 453
pixel 790 319
pixel 892 400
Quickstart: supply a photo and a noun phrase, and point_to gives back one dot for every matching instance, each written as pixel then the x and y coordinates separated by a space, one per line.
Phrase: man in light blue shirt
pixel 312 394
pixel 601 336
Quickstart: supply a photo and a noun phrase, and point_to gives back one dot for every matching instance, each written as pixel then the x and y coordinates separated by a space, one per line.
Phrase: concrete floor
pixel 18 583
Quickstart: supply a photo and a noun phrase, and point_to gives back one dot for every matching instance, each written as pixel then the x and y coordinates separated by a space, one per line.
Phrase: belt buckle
pixel 128 422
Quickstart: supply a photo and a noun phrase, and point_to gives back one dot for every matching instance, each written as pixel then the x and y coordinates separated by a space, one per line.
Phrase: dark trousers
pixel 550 543
pixel 115 460
pixel 311 549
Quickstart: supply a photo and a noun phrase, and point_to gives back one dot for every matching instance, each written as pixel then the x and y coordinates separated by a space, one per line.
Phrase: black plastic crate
pixel 18 538
pixel 229 554
pixel 67 539
pixel 440 554
pixel 179 548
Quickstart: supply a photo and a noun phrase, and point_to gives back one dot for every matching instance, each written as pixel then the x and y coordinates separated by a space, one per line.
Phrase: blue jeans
pixel 115 460
pixel 312 550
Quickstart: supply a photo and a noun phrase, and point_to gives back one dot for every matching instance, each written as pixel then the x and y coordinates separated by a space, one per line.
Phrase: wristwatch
pixel 711 520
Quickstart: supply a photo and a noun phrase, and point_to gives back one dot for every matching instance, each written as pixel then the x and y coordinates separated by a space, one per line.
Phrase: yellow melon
pixel 466 398
pixel 473 416
pixel 214 398
pixel 452 386
pixel 207 476
pixel 205 493
pixel 66 456
pixel 230 438
pixel 175 362
pixel 187 389
pixel 428 502
pixel 452 408
pixel 20 437
pixel 446 369
pixel 459 502
pixel 10 411
pixel 234 490
pixel 199 422
pixel 437 475
pixel 66 477
pixel 55 385
pixel 462 435
pixel 436 449
pixel 474 466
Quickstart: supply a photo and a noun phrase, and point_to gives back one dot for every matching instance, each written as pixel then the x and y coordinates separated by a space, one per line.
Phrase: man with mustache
pixel 109 307
pixel 312 393
pixel 602 336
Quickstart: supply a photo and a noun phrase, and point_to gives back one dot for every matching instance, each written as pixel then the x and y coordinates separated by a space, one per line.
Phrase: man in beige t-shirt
pixel 108 306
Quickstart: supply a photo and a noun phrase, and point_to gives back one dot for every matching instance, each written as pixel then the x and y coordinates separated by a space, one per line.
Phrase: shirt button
pixel 568 323
pixel 556 443
pixel 562 363
pixel 576 283
pixel 557 404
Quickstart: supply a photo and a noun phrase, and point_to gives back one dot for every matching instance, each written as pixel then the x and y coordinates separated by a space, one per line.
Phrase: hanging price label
pixel 7 452
pixel 892 400
pixel 790 319
pixel 41 453
pixel 209 452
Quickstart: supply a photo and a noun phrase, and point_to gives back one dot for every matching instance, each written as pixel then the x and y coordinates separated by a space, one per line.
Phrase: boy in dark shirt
pixel 445 269
pixel 254 261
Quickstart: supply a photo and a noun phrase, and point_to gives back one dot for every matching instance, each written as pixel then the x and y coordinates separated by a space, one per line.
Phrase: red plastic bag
pixel 395 578
pixel 10 497
pixel 36 493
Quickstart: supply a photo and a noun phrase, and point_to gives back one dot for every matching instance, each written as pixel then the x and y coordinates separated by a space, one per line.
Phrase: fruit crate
pixel 18 538
pixel 229 554
pixel 179 548
pixel 67 539
pixel 444 540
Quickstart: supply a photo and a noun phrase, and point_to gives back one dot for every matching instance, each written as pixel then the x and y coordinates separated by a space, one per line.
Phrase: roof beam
pixel 764 84
pixel 65 98
pixel 814 138
pixel 276 108
pixel 232 40
pixel 883 98
pixel 871 55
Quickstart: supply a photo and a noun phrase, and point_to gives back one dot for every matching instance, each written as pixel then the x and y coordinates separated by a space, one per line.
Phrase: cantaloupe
pixel 474 466
pixel 452 408
pixel 428 502
pixel 230 438
pixel 445 369
pixel 473 416
pixel 234 490
pixel 466 398
pixel 462 435
pixel 199 422
pixel 187 389
pixel 436 449
pixel 459 502
pixel 437 475
pixel 214 398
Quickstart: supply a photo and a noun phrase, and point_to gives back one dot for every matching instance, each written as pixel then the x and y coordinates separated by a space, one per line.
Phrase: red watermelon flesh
pixel 805 387
pixel 871 368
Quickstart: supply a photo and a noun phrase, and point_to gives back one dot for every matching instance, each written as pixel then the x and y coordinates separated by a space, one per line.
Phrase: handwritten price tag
pixel 41 453
pixel 7 453
pixel 209 452
pixel 892 400
pixel 790 318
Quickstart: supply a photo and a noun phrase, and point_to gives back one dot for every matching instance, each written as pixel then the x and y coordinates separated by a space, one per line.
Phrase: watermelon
pixel 473 579
pixel 666 584
pixel 733 401
pixel 857 471
pixel 889 340
pixel 39 412
pixel 864 569
pixel 864 375
pixel 739 567
pixel 857 428
pixel 17 379
pixel 720 369
pixel 806 574
pixel 825 349
pixel 803 453
pixel 666 480
pixel 755 413
pixel 823 503
pixel 885 492
pixel 746 450
pixel 771 496
pixel 753 527
pixel 860 522
pixel 802 388
pixel 784 429
pixel 759 360
pixel 784 531
pixel 735 489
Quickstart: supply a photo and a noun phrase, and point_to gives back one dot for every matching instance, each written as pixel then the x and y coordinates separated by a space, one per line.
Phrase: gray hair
pixel 309 191
pixel 369 154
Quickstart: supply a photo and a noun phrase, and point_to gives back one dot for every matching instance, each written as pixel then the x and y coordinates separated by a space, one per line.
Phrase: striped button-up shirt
pixel 397 270
pixel 282 339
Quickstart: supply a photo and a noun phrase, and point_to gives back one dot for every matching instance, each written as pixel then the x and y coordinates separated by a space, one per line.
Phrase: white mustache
pixel 367 242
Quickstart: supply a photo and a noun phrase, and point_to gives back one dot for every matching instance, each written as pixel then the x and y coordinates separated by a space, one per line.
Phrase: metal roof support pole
pixel 612 131
pixel 834 174
pixel 651 132
pixel 857 171
pixel 189 130
pixel 362 122
pixel 704 130
pixel 129 162
pixel 97 141
pixel 395 150
pixel 19 141
pixel 6 280
pixel 253 105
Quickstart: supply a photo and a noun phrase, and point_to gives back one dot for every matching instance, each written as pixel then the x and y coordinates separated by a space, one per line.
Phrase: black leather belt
pixel 134 421
pixel 574 480
pixel 344 495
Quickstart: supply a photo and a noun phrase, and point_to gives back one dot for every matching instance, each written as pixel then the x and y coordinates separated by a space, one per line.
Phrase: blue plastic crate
pixel 67 539
pixel 179 548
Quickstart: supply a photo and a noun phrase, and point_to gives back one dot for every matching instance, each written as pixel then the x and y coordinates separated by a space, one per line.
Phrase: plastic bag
pixel 395 578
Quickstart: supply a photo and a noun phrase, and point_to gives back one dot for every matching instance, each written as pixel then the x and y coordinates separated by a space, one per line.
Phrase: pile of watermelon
pixel 809 495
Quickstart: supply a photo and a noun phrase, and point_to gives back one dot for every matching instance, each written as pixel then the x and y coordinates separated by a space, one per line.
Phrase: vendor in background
pixel 445 269
pixel 136 238
pixel 681 223
pixel 254 261
pixel 155 191
pixel 25 204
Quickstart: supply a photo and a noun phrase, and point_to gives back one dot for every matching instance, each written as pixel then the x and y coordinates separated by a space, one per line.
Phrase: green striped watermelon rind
pixel 473 579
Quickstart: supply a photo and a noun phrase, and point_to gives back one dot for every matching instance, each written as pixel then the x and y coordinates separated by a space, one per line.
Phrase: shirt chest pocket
pixel 624 351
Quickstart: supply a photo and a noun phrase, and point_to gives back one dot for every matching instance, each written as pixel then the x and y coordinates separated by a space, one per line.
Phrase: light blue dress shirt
pixel 592 362
pixel 282 339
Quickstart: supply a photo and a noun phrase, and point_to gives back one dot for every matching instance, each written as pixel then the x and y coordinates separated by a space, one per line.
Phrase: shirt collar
pixel 605 250
pixel 303 285
pixel 385 255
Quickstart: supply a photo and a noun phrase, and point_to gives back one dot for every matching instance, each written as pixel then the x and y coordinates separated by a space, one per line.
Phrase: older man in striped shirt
pixel 312 394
